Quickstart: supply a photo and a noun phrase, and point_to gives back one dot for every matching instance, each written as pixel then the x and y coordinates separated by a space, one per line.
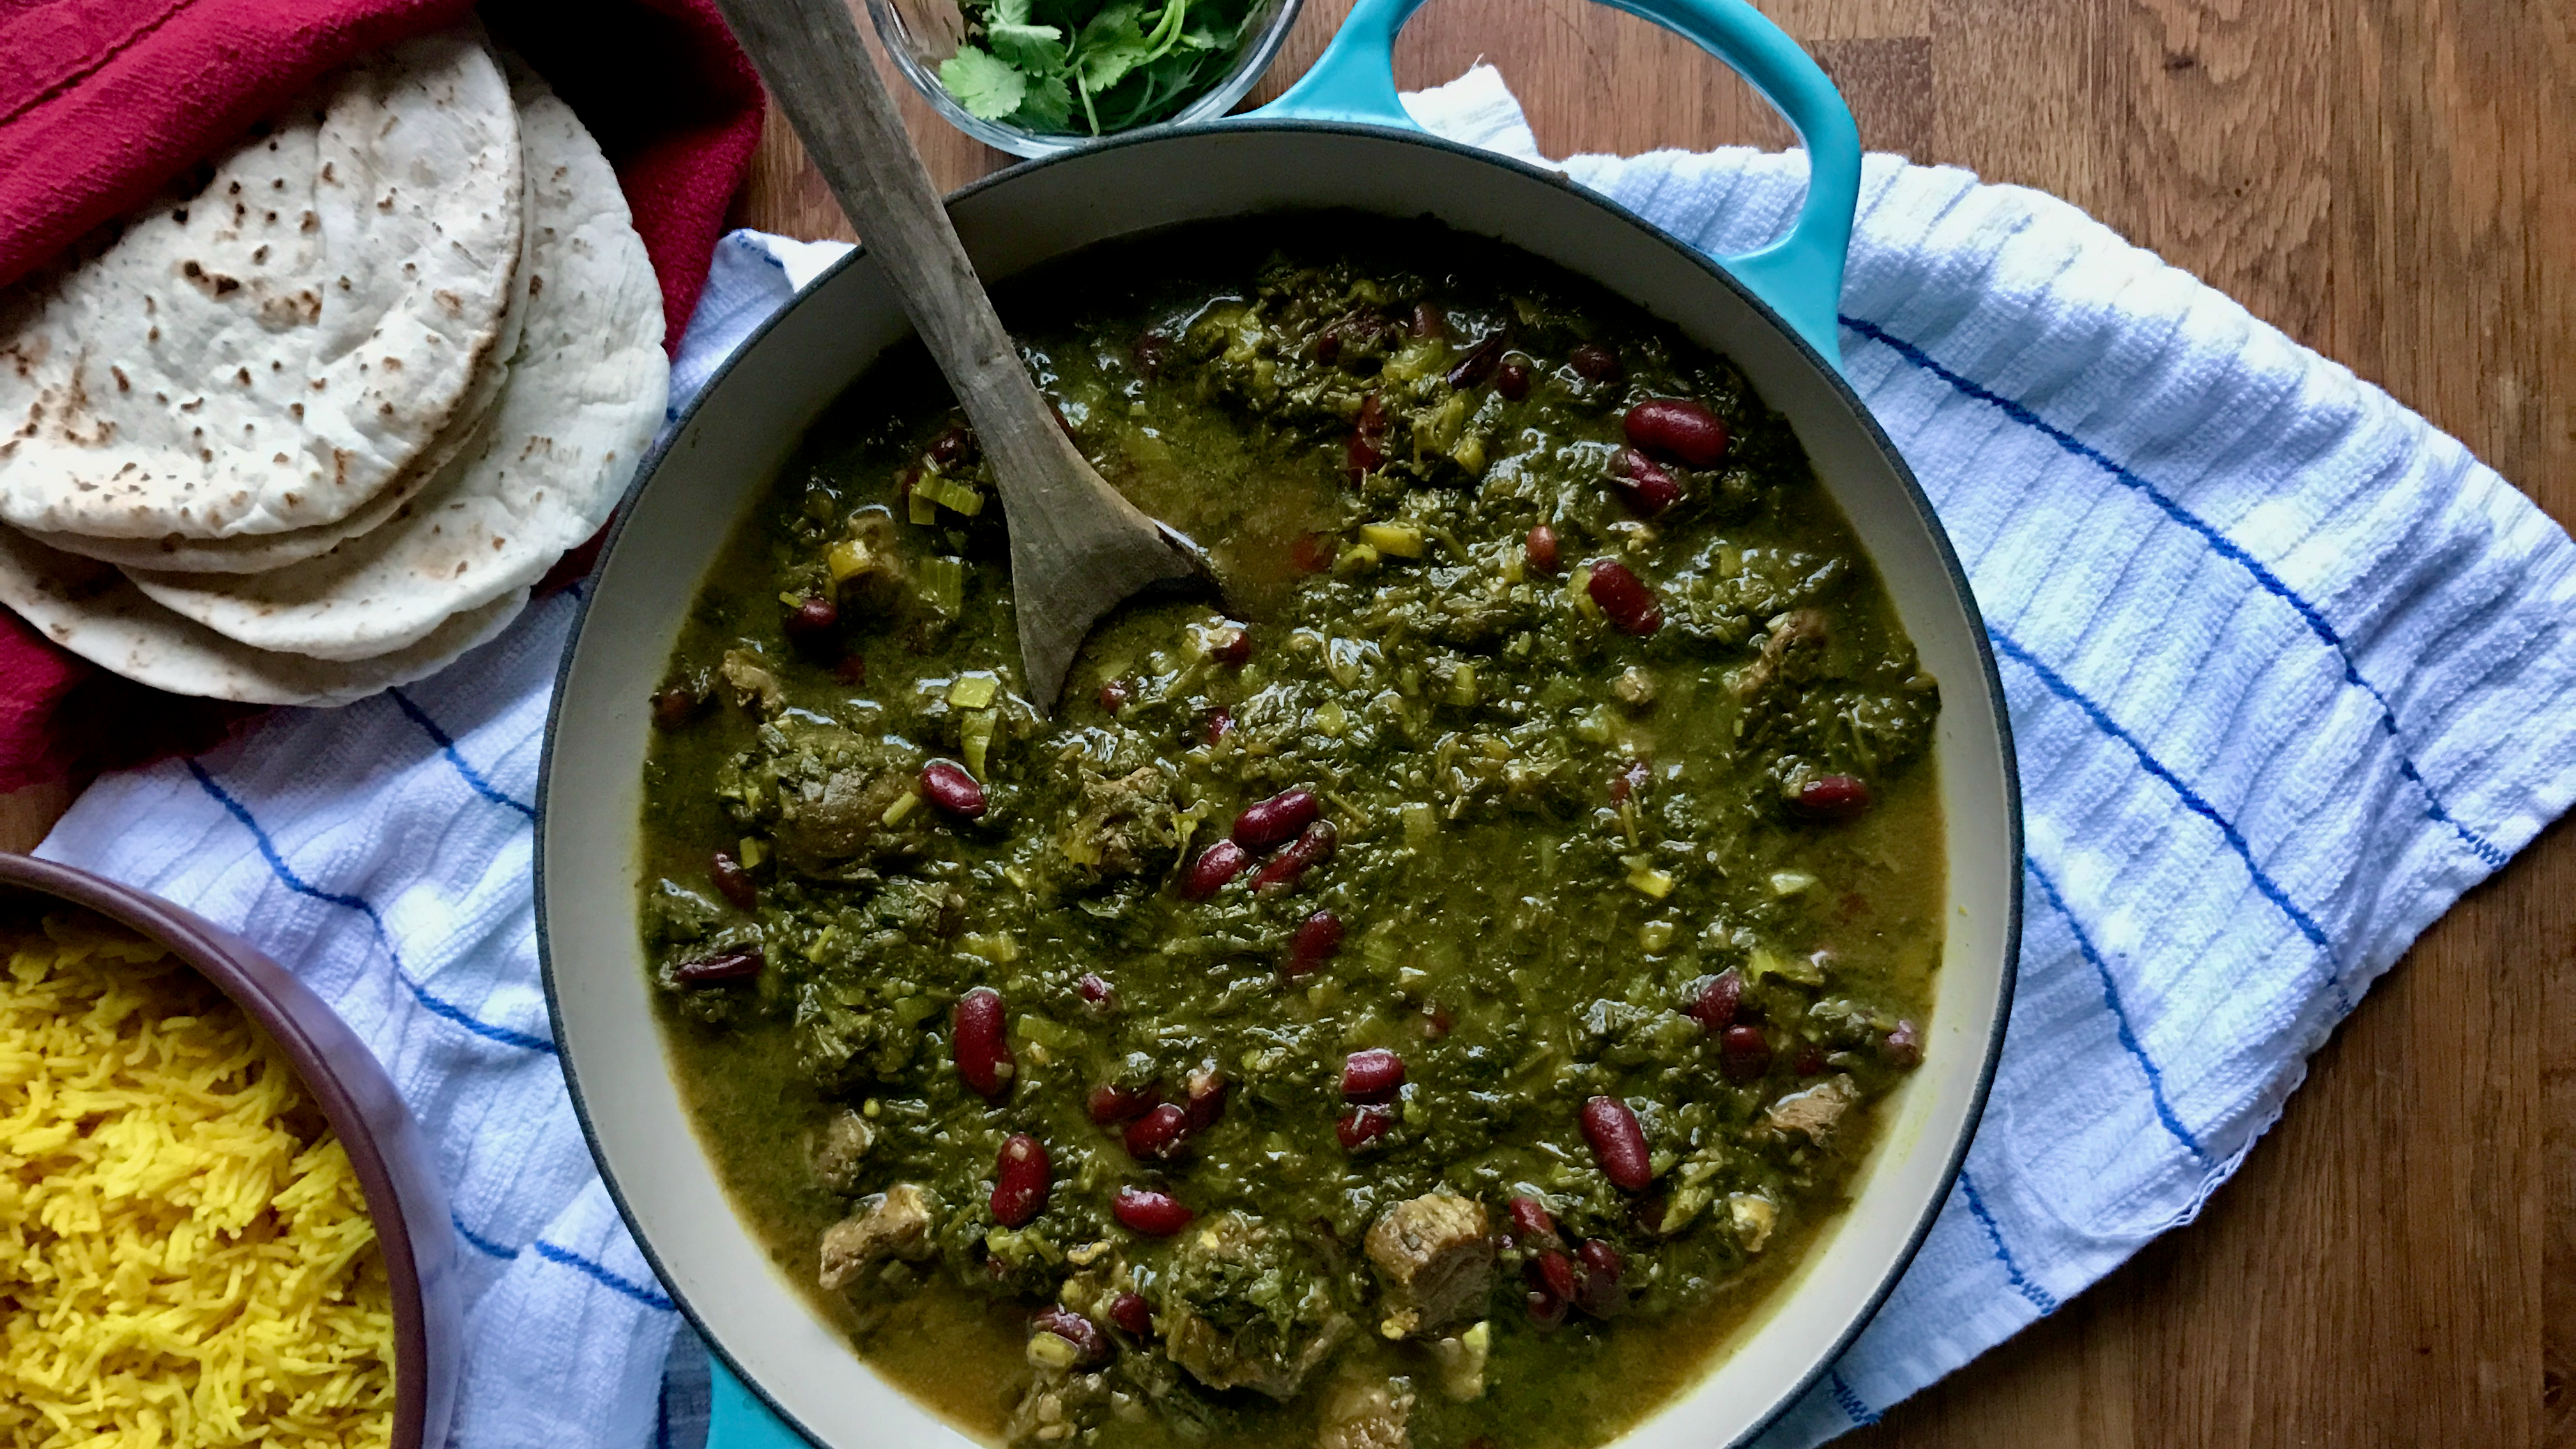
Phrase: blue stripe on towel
pixel 1850 1403
pixel 447 746
pixel 287 877
pixel 650 1298
pixel 2271 889
pixel 2119 1017
pixel 2040 1298
pixel 2226 548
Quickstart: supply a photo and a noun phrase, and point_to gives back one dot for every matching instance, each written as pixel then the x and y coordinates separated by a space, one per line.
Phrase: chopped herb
pixel 1079 67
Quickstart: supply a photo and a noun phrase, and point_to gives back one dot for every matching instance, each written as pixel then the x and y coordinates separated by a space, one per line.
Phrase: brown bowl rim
pixel 385 1143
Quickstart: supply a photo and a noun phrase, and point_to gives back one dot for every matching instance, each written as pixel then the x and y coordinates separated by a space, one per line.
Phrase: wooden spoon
pixel 1078 549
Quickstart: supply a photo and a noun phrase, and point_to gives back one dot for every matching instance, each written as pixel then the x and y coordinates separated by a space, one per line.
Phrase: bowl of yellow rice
pixel 219 1224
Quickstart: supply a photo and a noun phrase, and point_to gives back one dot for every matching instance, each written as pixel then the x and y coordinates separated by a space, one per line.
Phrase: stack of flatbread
pixel 313 423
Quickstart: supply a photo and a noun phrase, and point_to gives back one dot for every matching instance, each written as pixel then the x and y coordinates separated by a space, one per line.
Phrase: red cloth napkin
pixel 102 101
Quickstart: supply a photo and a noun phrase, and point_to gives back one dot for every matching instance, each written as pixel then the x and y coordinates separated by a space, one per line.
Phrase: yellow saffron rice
pixel 185 1254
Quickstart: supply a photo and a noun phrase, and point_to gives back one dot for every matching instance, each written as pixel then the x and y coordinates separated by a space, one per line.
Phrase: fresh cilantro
pixel 1127 62
pixel 987 86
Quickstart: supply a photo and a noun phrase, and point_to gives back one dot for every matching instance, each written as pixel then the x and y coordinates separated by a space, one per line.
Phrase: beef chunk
pixel 840 1148
pixel 1435 1256
pixel 1796 639
pixel 1249 1308
pixel 1362 1414
pixel 1813 1111
pixel 892 1224
pixel 1125 824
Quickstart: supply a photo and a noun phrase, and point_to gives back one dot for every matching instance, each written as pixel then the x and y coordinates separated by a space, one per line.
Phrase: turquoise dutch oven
pixel 1338 139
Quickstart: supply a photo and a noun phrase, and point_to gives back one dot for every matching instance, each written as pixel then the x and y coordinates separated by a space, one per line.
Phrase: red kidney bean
pixel 1160 1135
pixel 1618 1143
pixel 1512 379
pixel 1311 553
pixel 1546 1310
pixel 1746 1053
pixel 1318 939
pixel 1643 483
pixel 1532 1221
pixel 675 707
pixel 812 623
pixel 1216 865
pixel 1233 648
pixel 1904 1046
pixel 1810 1059
pixel 1021 1176
pixel 720 969
pixel 1834 797
pixel 1220 723
pixel 1113 695
pixel 1361 1126
pixel 1373 1075
pixel 853 668
pixel 1718 1000
pixel 1091 1346
pixel 1312 847
pixel 1132 1313
pixel 1155 1214
pixel 1478 365
pixel 1363 455
pixel 1153 345
pixel 1094 990
pixel 1625 598
pixel 949 787
pixel 1542 549
pixel 1679 429
pixel 1266 823
pixel 1597 1288
pixel 1550 1272
pixel 975 1039
pixel 1595 362
pixel 732 881
pixel 1112 1102
pixel 955 446
pixel 1328 346
pixel 1630 780
pixel 1208 1087
pixel 1427 321
pixel 1436 1019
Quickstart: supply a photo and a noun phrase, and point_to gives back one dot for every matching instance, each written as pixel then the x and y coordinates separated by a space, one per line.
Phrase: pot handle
pixel 1800 275
pixel 738 1420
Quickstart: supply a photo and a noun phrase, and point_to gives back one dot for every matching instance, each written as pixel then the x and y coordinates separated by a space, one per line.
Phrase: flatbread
pixel 247 553
pixel 90 609
pixel 281 337
pixel 586 392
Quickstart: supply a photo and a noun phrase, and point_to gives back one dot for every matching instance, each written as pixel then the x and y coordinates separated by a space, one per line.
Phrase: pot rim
pixel 1990 678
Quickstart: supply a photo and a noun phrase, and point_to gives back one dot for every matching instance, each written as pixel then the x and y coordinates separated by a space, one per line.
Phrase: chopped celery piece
pixel 973 691
pixel 1655 936
pixel 1330 718
pixel 822 943
pixel 943 582
pixel 1650 882
pixel 1462 686
pixel 902 806
pixel 975 734
pixel 847 559
pixel 1395 540
pixel 922 507
pixel 1001 948
pixel 1355 560
pixel 1421 823
pixel 752 851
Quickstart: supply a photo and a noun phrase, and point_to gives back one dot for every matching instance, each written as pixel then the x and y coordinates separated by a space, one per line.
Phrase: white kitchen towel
pixel 2288 669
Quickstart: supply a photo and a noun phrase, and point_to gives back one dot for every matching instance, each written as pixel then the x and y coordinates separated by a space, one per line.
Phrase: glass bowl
pixel 920 34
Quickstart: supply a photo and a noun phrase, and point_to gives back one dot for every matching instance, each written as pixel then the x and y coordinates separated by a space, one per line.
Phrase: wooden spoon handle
pixel 810 54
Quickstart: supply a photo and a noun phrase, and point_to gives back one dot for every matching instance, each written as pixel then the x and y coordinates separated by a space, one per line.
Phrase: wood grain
pixel 2392 182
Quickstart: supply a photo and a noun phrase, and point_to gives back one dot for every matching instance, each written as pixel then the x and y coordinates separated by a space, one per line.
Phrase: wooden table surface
pixel 2392 182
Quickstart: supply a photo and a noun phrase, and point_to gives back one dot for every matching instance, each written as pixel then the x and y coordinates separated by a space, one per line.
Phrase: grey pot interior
pixel 753 415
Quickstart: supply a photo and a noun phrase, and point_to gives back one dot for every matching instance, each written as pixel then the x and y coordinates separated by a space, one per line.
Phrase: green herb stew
pixel 1432 1002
